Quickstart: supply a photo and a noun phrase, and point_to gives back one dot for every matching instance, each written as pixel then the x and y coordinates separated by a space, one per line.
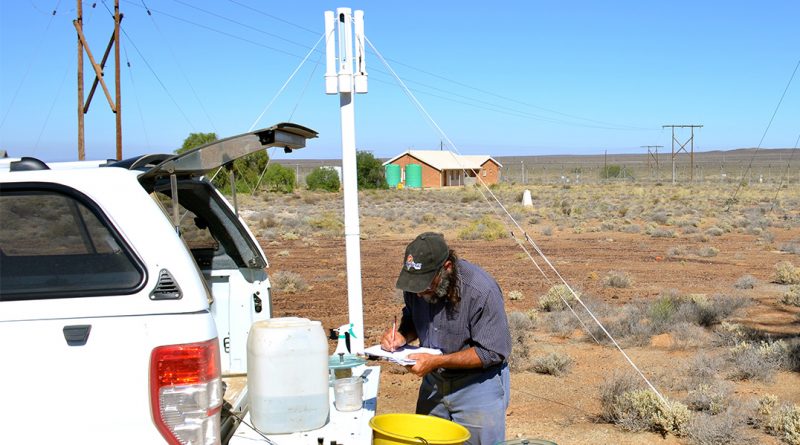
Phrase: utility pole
pixel 652 153
pixel 345 81
pixel 116 103
pixel 682 148
pixel 79 23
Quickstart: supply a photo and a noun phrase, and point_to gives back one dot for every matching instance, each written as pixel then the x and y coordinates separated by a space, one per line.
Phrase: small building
pixel 445 168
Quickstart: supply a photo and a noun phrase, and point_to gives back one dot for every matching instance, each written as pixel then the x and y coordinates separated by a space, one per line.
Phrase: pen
pixel 394 329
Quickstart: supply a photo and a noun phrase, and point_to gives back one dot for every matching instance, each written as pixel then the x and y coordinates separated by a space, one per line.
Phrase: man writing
pixel 457 307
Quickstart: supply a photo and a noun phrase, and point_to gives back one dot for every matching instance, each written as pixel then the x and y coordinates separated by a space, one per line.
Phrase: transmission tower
pixel 682 148
pixel 652 154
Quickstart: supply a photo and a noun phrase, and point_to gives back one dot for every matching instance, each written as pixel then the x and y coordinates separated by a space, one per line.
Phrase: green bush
pixel 610 171
pixel 370 172
pixel 278 178
pixel 323 178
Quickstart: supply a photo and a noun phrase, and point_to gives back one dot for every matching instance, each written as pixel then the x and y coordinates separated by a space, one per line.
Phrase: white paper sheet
pixel 400 356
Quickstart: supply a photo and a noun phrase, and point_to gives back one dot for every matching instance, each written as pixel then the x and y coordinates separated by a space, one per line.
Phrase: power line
pixel 158 79
pixel 750 164
pixel 599 124
pixel 180 68
pixel 30 63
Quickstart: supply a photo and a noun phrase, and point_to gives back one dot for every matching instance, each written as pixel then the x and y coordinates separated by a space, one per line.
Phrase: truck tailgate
pixel 91 393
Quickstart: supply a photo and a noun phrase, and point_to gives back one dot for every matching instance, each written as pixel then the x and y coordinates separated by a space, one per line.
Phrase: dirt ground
pixel 561 409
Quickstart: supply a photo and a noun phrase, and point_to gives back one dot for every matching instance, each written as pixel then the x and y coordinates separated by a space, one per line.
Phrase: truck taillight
pixel 186 392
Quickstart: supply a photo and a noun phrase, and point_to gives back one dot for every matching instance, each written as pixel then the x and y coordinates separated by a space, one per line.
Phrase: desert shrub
pixel 289 282
pixel 714 231
pixel 707 252
pixel 553 363
pixel 561 323
pixel 703 368
pixel 632 228
pixel 515 295
pixel 520 326
pixel 470 196
pixel 613 388
pixel 786 273
pixel 686 335
pixel 790 247
pixel 706 312
pixel 485 228
pixel 661 311
pixel 641 410
pixel 709 397
pixel 745 282
pixel 792 359
pixel 782 421
pixel 727 428
pixel 617 279
pixel 608 226
pixel 323 178
pixel 547 231
pixel 787 424
pixel 630 326
pixel 792 295
pixel 660 217
pixel 554 299
pixel 757 362
pixel 662 233
pixel 610 171
pixel 328 222
pixel 676 251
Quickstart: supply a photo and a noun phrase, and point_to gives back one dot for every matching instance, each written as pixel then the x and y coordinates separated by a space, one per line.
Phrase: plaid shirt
pixel 479 320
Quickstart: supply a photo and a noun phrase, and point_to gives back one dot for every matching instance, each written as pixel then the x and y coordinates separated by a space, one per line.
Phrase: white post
pixel 352 235
pixel 330 55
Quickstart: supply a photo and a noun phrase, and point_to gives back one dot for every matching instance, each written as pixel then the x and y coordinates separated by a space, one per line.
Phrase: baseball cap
pixel 423 258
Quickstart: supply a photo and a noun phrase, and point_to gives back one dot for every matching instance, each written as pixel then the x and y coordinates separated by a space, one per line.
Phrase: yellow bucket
pixel 415 429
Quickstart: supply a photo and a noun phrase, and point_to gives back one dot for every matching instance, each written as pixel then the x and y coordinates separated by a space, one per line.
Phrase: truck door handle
pixel 77 335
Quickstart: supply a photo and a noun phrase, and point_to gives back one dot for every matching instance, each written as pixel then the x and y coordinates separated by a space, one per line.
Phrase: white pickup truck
pixel 127 289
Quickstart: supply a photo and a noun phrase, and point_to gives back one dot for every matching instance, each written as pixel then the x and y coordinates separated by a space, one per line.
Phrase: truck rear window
pixel 55 244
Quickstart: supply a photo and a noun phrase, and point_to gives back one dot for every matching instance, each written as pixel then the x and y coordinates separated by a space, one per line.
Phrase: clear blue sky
pixel 500 78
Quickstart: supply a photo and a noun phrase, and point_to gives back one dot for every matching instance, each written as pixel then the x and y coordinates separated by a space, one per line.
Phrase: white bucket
pixel 287 375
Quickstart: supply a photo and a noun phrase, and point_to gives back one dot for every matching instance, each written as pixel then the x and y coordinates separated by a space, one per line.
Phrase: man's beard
pixel 441 290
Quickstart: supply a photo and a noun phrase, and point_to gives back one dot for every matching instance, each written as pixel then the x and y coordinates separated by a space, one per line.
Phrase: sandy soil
pixel 562 409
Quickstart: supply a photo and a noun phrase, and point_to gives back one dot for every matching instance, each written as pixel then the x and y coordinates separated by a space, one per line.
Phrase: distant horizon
pixel 279 156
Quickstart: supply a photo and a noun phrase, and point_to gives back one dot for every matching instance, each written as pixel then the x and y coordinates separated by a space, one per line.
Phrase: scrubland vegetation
pixel 714 350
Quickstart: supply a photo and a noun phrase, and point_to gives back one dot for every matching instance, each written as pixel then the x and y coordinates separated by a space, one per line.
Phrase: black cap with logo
pixel 423 258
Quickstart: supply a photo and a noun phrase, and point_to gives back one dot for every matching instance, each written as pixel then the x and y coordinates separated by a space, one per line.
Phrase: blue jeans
pixel 475 400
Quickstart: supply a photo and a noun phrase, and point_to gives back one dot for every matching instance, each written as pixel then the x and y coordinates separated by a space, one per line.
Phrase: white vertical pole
pixel 352 235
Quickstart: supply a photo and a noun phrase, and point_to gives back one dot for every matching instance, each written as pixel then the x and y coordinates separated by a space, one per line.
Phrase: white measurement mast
pixel 345 79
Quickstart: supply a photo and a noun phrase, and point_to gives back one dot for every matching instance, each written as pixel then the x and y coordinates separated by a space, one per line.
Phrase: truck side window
pixel 53 245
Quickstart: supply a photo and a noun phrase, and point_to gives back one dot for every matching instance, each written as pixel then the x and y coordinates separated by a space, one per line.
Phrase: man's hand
pixel 392 340
pixel 426 363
